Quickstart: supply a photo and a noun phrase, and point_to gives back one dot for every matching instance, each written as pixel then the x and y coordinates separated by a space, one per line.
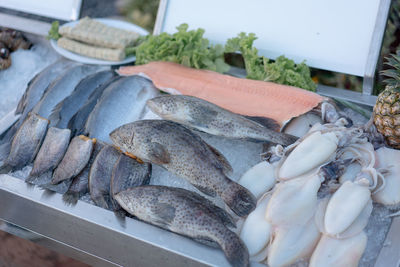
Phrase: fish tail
pixel 71 198
pixel 234 249
pixel 282 138
pixel 239 199
pixel 6 168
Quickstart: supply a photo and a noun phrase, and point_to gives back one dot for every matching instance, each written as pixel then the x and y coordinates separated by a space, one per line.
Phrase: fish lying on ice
pixel 78 120
pixel 34 91
pixel 177 210
pixel 100 177
pixel 74 160
pixel 123 101
pixel 63 87
pixel 64 110
pixel 51 152
pixel 80 183
pixel 38 85
pixel 242 96
pixel 26 142
pixel 185 154
pixel 210 118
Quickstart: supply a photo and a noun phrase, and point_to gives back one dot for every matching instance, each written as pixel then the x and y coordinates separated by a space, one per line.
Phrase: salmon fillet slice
pixel 242 96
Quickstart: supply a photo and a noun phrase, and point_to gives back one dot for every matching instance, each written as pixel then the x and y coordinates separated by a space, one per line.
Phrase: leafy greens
pixel 283 70
pixel 188 48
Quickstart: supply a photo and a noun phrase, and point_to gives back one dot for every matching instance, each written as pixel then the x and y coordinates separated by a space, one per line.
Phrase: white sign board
pixel 58 9
pixel 331 35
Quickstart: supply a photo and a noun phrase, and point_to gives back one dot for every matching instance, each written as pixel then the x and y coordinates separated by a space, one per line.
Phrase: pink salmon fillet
pixel 242 96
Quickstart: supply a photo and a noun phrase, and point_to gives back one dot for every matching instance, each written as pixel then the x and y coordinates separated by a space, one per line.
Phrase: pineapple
pixel 387 108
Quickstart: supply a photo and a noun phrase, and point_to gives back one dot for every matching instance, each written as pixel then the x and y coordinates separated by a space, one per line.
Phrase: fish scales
pixel 100 176
pixel 74 160
pixel 65 109
pixel 34 91
pixel 210 118
pixel 78 120
pixel 52 150
pixel 27 141
pixel 80 184
pixel 173 209
pixel 63 87
pixel 185 154
pixel 122 101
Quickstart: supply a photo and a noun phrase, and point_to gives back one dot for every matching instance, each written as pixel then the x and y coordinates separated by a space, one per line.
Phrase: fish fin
pixel 70 198
pixel 55 113
pixel 266 122
pixel 206 190
pixel 234 249
pixel 120 214
pixel 164 214
pixel 158 154
pixel 223 162
pixel 240 200
pixel 206 241
pixel 6 168
pixel 8 135
pixel 224 216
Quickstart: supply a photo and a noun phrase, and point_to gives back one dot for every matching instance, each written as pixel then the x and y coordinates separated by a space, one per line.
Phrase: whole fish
pixel 51 152
pixel 100 177
pixel 80 183
pixel 127 173
pixel 78 120
pixel 38 85
pixel 178 211
pixel 122 101
pixel 185 154
pixel 63 87
pixel 26 142
pixel 64 110
pixel 34 91
pixel 74 160
pixel 210 118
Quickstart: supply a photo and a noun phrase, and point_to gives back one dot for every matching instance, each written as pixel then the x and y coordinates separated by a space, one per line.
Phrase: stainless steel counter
pixel 94 235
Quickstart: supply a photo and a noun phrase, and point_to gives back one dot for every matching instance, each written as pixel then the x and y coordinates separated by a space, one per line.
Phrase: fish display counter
pixel 162 164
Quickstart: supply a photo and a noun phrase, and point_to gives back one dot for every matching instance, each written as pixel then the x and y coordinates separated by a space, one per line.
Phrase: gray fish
pixel 185 154
pixel 210 118
pixel 122 101
pixel 78 120
pixel 64 110
pixel 127 173
pixel 51 152
pixel 34 91
pixel 74 160
pixel 178 211
pixel 63 87
pixel 38 85
pixel 80 183
pixel 27 141
pixel 100 176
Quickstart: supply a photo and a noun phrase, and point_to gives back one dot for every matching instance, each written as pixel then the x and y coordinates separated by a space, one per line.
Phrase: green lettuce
pixel 188 48
pixel 282 70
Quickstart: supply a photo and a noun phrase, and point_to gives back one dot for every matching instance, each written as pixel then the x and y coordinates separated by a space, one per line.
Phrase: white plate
pixel 88 60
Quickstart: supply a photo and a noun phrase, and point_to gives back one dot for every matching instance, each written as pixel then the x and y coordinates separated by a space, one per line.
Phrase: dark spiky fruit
pixel 387 107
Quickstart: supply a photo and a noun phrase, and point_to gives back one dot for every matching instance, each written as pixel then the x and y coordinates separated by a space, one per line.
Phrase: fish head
pixel 124 137
pixel 165 106
pixel 133 139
